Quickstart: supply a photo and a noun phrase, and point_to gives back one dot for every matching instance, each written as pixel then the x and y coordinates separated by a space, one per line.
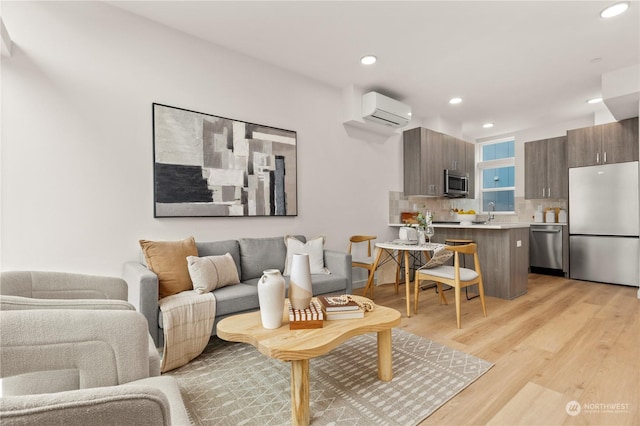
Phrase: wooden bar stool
pixel 460 242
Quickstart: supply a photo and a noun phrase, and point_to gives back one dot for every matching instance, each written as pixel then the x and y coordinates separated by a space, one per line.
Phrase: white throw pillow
pixel 440 256
pixel 314 248
pixel 211 272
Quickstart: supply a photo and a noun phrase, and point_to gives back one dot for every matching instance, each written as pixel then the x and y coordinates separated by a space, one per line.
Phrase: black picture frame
pixel 211 166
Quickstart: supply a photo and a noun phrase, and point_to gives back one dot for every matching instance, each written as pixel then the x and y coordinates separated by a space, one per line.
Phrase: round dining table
pixel 396 249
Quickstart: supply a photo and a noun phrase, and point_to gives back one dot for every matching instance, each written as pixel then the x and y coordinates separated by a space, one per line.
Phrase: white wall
pixel 77 163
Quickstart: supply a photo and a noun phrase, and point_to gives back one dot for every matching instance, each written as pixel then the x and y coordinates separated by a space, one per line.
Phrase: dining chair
pixel 454 276
pixel 359 260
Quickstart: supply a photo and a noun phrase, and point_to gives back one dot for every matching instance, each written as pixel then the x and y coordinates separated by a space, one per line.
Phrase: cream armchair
pixel 64 290
pixel 83 357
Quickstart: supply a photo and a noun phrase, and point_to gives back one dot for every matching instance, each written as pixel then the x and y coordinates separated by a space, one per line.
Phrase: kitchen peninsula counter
pixel 503 251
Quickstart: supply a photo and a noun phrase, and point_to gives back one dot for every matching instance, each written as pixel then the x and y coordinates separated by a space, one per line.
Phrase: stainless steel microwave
pixel 456 184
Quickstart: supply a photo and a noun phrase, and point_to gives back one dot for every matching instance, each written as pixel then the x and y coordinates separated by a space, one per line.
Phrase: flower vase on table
pixel 422 238
pixel 425 227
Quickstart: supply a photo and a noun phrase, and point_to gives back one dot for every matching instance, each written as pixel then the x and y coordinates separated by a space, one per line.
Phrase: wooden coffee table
pixel 298 346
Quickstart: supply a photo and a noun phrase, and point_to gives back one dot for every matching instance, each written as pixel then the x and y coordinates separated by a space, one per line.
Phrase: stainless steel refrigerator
pixel 604 223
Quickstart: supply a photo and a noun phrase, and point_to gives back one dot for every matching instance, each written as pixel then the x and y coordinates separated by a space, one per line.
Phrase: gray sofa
pixel 251 256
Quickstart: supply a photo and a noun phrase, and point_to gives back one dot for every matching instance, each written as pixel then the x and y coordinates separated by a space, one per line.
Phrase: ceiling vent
pixel 384 110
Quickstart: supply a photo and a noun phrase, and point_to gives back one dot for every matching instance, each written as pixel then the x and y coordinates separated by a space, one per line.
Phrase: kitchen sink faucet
pixel 492 208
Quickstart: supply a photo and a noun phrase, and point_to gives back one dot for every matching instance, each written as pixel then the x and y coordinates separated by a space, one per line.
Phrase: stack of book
pixel 339 307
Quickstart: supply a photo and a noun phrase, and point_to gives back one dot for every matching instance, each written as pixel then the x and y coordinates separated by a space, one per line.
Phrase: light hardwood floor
pixel 563 341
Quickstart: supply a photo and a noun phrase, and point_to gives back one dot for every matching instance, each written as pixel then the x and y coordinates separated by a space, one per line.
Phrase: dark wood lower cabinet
pixel 504 262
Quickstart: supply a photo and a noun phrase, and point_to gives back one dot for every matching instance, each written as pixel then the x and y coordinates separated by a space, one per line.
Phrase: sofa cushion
pixel 236 298
pixel 258 254
pixel 218 248
pixel 314 248
pixel 232 299
pixel 211 272
pixel 168 259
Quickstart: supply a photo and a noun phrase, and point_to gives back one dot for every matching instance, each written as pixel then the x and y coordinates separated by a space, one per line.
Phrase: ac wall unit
pixel 384 110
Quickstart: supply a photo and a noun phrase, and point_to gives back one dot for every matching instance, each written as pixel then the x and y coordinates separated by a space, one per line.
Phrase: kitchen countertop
pixel 493 225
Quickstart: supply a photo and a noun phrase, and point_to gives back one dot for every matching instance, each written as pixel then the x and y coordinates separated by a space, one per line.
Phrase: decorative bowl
pixel 466 219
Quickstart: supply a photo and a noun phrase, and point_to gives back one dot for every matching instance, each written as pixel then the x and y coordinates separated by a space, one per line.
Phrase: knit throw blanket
pixel 187 320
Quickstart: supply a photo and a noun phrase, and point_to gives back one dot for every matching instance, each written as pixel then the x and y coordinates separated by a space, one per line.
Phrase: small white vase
pixel 422 238
pixel 300 291
pixel 271 298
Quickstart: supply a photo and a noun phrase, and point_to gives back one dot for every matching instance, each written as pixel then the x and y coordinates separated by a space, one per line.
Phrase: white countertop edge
pixel 479 226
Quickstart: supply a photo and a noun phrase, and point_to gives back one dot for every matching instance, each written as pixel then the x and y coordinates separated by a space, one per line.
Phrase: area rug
pixel 234 384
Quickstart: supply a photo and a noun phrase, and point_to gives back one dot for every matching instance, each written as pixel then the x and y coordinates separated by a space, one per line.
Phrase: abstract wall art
pixel 207 166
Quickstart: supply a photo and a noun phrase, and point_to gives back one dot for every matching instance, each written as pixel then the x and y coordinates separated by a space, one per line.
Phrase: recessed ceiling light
pixel 594 100
pixel 368 60
pixel 615 9
pixel 487 125
pixel 454 101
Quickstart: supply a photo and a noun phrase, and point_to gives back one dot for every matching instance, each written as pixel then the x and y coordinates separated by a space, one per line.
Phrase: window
pixel 497 175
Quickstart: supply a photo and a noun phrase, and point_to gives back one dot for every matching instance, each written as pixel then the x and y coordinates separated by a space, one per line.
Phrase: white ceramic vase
pixel 422 238
pixel 271 289
pixel 300 291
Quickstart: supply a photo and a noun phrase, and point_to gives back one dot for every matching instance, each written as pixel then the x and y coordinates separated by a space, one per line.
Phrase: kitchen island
pixel 503 251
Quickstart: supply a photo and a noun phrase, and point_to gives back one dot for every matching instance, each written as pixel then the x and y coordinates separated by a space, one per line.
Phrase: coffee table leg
pixel 300 392
pixel 385 370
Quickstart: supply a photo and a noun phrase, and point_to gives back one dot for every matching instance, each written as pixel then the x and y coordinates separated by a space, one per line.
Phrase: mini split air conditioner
pixel 384 110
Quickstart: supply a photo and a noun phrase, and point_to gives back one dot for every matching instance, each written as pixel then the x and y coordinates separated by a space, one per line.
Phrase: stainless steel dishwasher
pixel 545 247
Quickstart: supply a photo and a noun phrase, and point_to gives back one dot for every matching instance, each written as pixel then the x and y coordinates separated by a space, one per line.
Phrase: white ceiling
pixel 520 64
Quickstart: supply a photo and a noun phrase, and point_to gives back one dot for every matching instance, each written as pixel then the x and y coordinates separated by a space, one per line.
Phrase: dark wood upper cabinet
pixel 603 144
pixel 427 154
pixel 546 171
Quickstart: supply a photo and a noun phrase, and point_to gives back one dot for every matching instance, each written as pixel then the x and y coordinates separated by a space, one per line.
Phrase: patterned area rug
pixel 234 384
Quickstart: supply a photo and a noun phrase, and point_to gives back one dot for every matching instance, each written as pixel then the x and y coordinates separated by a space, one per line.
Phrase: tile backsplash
pixel 441 207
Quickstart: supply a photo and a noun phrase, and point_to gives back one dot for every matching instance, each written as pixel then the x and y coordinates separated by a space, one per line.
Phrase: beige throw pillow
pixel 211 272
pixel 440 256
pixel 314 248
pixel 168 259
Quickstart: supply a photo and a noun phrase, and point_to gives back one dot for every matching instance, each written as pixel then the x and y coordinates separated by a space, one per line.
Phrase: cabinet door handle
pixel 597 158
pixel 605 158
pixel 549 192
pixel 542 192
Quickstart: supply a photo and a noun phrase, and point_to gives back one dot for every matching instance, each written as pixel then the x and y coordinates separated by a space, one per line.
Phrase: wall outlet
pixel 519 243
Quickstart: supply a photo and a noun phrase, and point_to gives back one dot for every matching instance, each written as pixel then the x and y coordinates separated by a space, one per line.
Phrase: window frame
pixel 492 164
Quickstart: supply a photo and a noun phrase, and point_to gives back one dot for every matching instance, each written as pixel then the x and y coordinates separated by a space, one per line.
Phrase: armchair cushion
pixel 10 303
pixel 61 285
pixel 47 381
pixel 112 405
pixel 107 347
pixel 168 259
